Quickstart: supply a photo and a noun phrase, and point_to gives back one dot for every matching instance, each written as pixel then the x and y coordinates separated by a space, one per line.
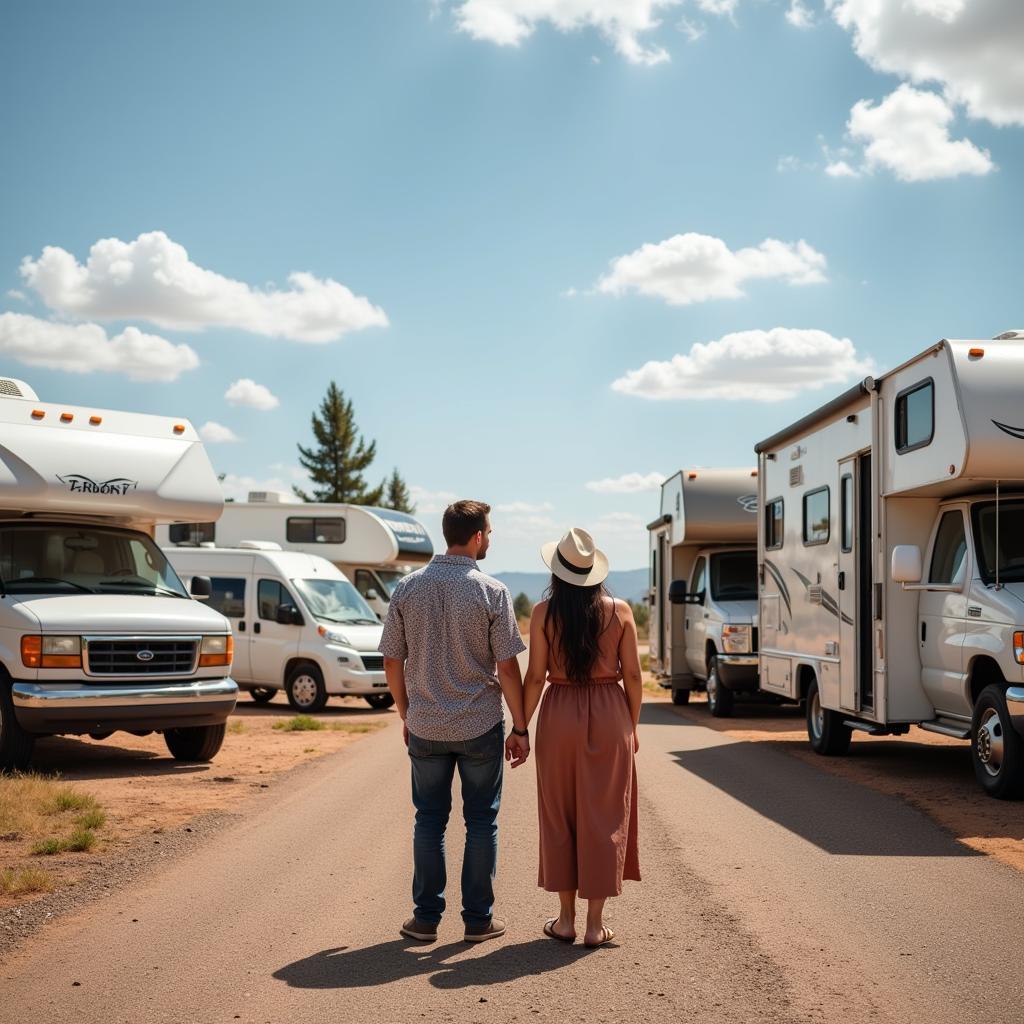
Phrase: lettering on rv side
pixel 78 484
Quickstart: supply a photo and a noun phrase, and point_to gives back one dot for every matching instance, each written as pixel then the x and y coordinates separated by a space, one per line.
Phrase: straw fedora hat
pixel 575 559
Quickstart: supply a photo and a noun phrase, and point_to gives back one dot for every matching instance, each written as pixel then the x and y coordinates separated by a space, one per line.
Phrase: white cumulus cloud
pixel 756 366
pixel 217 433
pixel 907 133
pixel 86 348
pixel 628 483
pixel 246 391
pixel 621 22
pixel 973 49
pixel 799 15
pixel 692 268
pixel 431 502
pixel 153 279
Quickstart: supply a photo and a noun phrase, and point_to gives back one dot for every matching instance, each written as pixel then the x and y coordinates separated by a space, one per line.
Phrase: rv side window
pixel 950 554
pixel 192 533
pixel 270 595
pixel 773 524
pixel 365 582
pixel 915 417
pixel 816 516
pixel 307 530
pixel 846 511
pixel 227 596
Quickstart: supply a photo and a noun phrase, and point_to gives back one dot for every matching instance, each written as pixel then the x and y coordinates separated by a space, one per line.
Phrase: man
pixel 450 649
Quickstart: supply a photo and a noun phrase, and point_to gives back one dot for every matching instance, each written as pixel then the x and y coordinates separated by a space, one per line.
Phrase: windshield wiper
pixel 166 591
pixel 50 580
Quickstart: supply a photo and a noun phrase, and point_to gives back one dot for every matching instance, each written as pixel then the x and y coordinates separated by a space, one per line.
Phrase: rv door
pixel 695 621
pixel 846 586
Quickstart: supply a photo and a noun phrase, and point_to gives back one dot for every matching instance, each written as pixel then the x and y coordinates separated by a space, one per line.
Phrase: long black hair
pixel 574 621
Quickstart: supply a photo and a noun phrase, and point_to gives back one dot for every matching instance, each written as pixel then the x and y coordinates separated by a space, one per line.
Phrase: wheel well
pixel 294 663
pixel 710 650
pixel 984 671
pixel 804 677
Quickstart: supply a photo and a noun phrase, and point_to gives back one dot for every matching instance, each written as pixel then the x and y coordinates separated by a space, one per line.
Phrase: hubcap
pixel 304 690
pixel 989 743
pixel 817 716
pixel 712 687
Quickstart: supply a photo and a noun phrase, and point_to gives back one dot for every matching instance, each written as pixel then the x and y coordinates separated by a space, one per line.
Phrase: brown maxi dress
pixel 586 777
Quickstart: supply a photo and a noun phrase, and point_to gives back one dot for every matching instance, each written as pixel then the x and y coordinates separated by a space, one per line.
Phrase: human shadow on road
pixel 385 962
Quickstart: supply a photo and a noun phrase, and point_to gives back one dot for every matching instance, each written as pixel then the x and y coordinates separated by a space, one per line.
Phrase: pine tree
pixel 522 606
pixel 336 462
pixel 397 495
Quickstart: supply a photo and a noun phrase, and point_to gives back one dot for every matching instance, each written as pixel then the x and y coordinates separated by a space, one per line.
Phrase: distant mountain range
pixel 629 584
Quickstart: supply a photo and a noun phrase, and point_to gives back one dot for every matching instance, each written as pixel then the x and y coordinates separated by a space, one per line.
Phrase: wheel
pixel 825 729
pixel 380 701
pixel 196 742
pixel 15 744
pixel 680 697
pixel 263 694
pixel 996 749
pixel 305 688
pixel 720 698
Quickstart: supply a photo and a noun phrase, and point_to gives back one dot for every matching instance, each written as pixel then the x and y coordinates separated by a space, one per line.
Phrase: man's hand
pixel 405 733
pixel 517 749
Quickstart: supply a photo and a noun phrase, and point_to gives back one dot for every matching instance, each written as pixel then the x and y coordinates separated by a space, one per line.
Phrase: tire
pixel 262 694
pixel 825 729
pixel 680 697
pixel 15 744
pixel 305 688
pixel 380 701
pixel 997 751
pixel 720 699
pixel 195 743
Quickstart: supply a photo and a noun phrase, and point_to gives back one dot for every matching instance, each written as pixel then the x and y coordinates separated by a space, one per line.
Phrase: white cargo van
pixel 299 624
pixel 704 586
pixel 97 632
pixel 374 547
pixel 892 557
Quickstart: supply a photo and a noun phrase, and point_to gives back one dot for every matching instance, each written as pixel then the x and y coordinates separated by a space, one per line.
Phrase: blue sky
pixel 481 184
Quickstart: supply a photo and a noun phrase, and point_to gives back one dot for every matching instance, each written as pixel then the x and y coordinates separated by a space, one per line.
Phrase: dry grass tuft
pixel 16 883
pixel 300 723
pixel 236 727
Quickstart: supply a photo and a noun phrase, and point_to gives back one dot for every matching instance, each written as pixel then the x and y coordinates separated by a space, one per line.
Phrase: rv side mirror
pixel 200 587
pixel 289 615
pixel 677 592
pixel 372 595
pixel 906 563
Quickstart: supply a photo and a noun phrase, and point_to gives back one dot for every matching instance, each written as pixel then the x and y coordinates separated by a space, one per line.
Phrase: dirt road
pixel 773 891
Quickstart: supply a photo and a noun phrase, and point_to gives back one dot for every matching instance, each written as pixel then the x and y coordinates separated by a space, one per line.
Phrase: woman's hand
pixel 636 742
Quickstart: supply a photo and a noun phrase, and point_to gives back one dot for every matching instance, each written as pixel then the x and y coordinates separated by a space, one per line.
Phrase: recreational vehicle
pixel 299 624
pixel 373 547
pixel 891 557
pixel 703 561
pixel 97 632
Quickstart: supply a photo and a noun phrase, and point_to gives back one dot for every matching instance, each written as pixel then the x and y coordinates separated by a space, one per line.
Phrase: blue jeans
pixel 480 762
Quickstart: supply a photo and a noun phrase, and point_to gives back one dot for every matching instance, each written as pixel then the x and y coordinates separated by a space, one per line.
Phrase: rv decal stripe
pixel 1017 432
pixel 773 571
pixel 828 602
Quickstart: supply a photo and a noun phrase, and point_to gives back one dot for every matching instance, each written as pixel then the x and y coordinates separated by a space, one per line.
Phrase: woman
pixel 583 642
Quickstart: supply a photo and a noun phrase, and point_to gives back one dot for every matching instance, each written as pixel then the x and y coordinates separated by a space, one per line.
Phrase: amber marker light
pixel 51 651
pixel 95 420
pixel 1018 646
pixel 216 650
pixel 179 428
pixel 976 353
pixel 66 417
pixel 38 414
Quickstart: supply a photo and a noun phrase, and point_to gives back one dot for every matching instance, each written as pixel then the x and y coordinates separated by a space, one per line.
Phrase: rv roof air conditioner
pixel 272 498
pixel 259 545
pixel 11 387
pixel 1010 336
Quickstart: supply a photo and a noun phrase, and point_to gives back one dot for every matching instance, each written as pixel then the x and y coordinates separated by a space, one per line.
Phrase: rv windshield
pixel 40 558
pixel 734 576
pixel 1011 540
pixel 390 579
pixel 336 601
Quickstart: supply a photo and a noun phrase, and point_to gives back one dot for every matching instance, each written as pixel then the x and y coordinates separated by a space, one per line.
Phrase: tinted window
pixel 228 596
pixel 846 511
pixel 700 583
pixel 318 530
pixel 734 576
pixel 365 582
pixel 915 417
pixel 773 524
pixel 816 516
pixel 950 552
pixel 270 595
pixel 192 533
pixel 1011 541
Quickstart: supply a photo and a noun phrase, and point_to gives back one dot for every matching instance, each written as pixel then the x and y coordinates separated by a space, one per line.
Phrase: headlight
pixel 736 639
pixel 218 649
pixel 51 651
pixel 1018 646
pixel 333 636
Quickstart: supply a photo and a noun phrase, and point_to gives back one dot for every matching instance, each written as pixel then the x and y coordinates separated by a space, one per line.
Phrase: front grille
pixel 373 662
pixel 754 647
pixel 120 657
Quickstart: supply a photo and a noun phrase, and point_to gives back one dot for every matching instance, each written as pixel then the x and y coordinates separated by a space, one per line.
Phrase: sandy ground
pixel 932 773
pixel 145 792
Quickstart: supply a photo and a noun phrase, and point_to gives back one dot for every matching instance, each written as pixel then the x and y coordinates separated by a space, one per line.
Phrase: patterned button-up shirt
pixel 451 624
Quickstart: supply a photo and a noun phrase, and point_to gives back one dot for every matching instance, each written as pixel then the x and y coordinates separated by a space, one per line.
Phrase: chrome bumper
pixel 1015 706
pixel 747 660
pixel 75 695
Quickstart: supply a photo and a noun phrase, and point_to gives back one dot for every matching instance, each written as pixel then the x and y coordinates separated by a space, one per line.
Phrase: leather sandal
pixel 549 931
pixel 606 936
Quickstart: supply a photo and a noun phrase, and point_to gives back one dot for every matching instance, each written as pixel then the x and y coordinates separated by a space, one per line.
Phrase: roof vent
pixel 1010 336
pixel 10 387
pixel 259 545
pixel 272 498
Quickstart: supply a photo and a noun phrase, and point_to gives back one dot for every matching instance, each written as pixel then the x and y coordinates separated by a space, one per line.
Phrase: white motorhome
pixel 891 557
pixel 97 632
pixel 299 624
pixel 703 562
pixel 374 547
